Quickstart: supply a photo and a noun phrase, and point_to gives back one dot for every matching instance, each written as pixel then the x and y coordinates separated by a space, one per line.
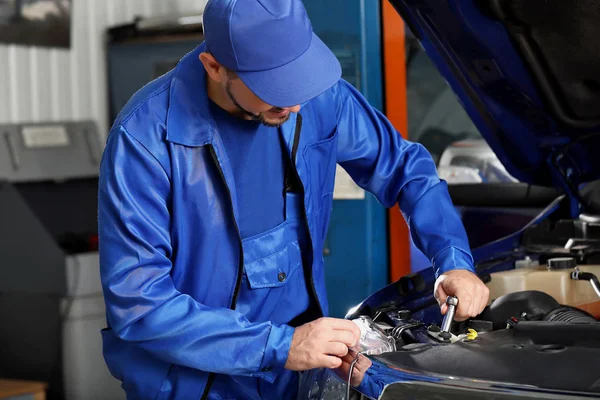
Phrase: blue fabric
pixel 258 179
pixel 277 224
pixel 289 66
pixel 285 299
pixel 369 385
pixel 264 297
pixel 171 258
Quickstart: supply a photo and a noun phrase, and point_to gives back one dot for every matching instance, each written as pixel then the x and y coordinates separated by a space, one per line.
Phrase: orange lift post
pixel 396 110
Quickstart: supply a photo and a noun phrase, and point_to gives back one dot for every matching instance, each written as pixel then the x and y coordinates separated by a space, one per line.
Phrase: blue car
pixel 527 73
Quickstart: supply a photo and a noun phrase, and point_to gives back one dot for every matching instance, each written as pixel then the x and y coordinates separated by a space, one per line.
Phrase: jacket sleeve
pixel 395 170
pixel 143 305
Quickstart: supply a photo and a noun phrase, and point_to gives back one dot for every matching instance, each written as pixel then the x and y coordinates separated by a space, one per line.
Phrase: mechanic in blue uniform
pixel 214 199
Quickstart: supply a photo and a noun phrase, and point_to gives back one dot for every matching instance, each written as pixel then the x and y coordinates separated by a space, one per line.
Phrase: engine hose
pixel 587 276
pixel 569 314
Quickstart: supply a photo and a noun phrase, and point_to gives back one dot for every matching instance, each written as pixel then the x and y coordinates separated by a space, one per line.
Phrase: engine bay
pixel 525 337
pixel 562 259
pixel 541 327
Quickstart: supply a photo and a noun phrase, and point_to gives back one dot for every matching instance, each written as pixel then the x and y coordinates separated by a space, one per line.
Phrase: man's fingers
pixel 441 295
pixel 471 292
pixel 478 300
pixel 360 368
pixel 471 303
pixel 349 326
pixel 472 308
pixel 345 359
pixel 476 303
pixel 341 336
pixel 348 358
pixel 344 370
pixel 465 302
pixel 483 299
pixel 437 286
pixel 357 373
pixel 363 363
pixel 444 309
pixel 339 323
pixel 330 362
pixel 336 349
pixel 343 325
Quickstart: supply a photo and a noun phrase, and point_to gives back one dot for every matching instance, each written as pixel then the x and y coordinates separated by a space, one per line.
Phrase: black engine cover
pixel 552 355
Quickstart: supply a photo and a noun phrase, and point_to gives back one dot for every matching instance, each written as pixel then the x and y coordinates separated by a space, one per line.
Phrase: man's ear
pixel 212 67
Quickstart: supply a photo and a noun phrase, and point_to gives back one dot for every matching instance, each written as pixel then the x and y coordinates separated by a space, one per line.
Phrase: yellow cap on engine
pixel 471 334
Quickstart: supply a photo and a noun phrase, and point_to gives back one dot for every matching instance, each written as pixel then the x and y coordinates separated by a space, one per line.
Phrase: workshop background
pixel 41 84
pixel 57 102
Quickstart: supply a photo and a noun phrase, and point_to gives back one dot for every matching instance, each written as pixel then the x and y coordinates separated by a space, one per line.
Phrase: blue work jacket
pixel 171 257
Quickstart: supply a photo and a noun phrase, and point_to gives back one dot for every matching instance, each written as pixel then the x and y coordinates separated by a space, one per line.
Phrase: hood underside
pixel 528 74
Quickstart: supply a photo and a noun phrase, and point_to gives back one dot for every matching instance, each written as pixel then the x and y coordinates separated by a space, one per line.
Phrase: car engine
pixel 540 328
pixel 524 337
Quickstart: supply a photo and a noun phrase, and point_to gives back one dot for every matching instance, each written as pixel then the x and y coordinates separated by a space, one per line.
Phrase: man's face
pixel 250 106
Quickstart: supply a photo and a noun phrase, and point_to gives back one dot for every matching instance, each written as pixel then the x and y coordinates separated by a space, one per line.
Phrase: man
pixel 214 199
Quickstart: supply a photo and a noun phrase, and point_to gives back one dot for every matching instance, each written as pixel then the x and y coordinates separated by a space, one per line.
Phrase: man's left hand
pixel 472 293
pixel 360 368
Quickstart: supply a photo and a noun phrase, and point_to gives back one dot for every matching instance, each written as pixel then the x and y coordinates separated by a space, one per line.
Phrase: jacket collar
pixel 189 121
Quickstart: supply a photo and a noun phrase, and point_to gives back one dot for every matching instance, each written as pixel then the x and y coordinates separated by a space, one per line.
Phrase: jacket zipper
pixel 211 376
pixel 294 154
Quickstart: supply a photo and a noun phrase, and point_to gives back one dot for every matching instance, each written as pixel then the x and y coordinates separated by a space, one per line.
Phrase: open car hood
pixel 527 73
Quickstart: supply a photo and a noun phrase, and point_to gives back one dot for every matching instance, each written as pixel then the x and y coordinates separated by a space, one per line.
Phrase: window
pixel 438 121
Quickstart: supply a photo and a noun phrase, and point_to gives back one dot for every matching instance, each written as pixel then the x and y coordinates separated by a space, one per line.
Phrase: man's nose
pixel 293 109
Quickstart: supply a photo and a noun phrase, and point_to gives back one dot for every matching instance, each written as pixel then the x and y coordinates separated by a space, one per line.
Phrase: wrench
pixel 452 303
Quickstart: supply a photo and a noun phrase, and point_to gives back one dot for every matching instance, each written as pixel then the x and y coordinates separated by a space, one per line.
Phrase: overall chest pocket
pixel 273 270
pixel 273 282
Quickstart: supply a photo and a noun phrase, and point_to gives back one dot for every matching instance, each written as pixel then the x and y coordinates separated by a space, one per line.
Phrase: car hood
pixel 527 73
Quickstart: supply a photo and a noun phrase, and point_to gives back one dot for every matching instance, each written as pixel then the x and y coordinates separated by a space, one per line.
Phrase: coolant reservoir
pixel 555 282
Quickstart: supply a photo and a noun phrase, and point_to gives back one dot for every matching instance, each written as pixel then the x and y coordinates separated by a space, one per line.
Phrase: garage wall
pixel 193 5
pixel 41 84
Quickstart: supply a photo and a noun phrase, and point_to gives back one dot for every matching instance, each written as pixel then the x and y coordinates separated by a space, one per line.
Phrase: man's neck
pixel 217 93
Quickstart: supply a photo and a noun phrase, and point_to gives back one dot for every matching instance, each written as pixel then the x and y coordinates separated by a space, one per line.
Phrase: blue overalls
pixel 274 288
pixel 175 273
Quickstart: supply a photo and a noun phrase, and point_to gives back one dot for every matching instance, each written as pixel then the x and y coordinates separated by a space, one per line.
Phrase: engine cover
pixel 553 355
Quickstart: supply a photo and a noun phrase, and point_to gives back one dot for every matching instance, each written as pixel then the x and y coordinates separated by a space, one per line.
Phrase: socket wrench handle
pixel 452 303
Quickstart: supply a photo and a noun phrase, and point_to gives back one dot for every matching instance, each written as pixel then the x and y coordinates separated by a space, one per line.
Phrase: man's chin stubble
pixel 274 123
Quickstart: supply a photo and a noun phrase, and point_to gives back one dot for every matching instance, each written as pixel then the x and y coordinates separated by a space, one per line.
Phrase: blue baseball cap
pixel 271 46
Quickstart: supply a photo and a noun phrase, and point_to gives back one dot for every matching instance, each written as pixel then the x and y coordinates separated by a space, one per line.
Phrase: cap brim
pixel 301 80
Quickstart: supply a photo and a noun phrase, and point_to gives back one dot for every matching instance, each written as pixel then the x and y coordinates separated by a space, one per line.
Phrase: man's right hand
pixel 321 343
